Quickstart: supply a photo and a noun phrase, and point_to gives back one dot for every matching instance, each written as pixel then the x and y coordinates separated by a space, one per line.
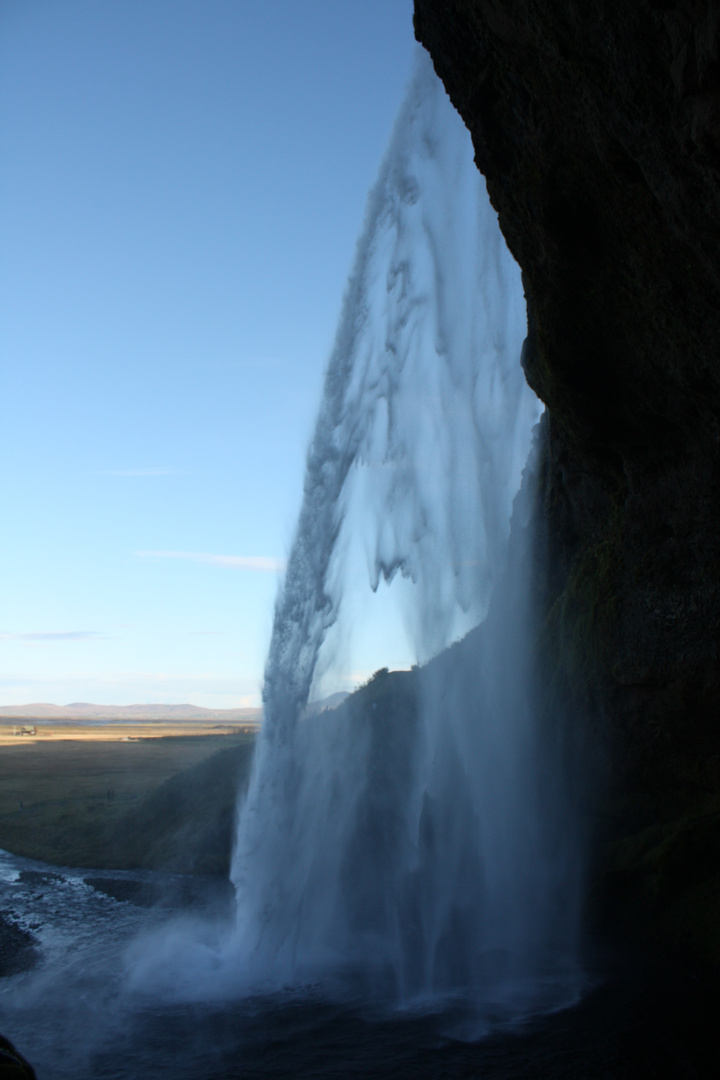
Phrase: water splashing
pixel 407 843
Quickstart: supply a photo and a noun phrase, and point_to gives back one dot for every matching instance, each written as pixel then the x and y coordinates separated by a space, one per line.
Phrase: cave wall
pixel 597 127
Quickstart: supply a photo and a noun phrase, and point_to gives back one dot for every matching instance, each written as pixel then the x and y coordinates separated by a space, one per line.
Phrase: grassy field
pixel 122 796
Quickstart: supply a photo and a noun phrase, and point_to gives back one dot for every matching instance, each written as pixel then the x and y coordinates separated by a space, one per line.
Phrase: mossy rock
pixel 661 878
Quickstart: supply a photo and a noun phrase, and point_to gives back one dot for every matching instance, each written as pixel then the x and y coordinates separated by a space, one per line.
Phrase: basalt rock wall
pixel 597 126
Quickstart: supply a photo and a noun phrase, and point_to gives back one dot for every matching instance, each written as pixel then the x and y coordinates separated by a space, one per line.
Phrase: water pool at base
pixel 72 1009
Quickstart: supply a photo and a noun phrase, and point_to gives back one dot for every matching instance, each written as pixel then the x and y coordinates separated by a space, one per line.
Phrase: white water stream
pixel 413 850
pixel 411 843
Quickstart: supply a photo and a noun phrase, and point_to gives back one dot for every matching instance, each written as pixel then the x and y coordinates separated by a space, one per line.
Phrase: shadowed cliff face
pixel 597 126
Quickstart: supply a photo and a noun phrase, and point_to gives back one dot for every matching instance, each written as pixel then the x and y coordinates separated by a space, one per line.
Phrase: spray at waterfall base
pixel 418 843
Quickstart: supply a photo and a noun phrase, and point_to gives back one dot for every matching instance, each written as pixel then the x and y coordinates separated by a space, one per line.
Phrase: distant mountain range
pixel 326 703
pixel 82 710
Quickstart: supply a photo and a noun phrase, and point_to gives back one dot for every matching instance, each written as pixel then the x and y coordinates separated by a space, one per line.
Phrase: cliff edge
pixel 597 127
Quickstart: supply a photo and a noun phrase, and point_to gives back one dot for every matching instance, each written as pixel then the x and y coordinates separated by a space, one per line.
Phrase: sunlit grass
pixel 113 803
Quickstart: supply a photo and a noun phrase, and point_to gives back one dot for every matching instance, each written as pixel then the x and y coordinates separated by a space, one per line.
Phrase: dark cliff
pixel 597 126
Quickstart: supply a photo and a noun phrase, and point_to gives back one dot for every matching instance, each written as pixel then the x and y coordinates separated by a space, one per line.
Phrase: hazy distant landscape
pixel 127 787
pixel 123 797
pixel 82 710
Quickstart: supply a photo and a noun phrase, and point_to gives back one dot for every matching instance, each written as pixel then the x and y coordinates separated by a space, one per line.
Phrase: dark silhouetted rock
pixel 18 948
pixel 13 1065
pixel 597 126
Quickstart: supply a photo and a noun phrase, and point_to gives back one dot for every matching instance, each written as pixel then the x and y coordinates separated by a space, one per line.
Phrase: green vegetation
pixel 155 803
pixel 658 881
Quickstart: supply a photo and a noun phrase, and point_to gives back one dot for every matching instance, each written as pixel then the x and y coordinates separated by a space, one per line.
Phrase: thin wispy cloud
pixel 247 363
pixel 138 472
pixel 262 563
pixel 127 688
pixel 61 635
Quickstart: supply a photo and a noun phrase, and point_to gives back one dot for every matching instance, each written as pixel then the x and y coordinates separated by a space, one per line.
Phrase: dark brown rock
pixel 18 947
pixel 13 1065
pixel 597 126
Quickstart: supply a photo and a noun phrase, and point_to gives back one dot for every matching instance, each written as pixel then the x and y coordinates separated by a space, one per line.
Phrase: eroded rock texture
pixel 597 126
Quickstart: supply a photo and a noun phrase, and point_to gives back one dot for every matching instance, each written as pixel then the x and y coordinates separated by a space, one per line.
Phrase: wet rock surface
pixel 597 127
pixel 172 892
pixel 18 947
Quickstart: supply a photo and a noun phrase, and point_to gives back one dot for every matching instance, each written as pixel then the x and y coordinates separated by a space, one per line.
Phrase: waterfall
pixel 409 843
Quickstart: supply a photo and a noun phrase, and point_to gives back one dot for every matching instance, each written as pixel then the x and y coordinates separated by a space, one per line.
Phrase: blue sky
pixel 181 187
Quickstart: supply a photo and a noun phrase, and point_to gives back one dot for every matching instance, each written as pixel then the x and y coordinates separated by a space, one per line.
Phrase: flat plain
pixel 121 795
